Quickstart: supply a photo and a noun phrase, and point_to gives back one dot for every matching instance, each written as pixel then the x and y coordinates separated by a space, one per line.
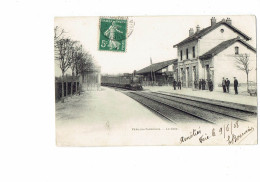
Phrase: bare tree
pixel 76 57
pixel 64 56
pixel 89 64
pixel 85 64
pixel 242 63
pixel 81 63
pixel 71 55
pixel 58 32
pixel 79 57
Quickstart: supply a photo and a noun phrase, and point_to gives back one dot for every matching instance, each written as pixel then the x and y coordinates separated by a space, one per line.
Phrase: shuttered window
pixel 236 50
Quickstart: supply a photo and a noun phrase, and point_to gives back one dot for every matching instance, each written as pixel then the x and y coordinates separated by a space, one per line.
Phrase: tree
pixel 58 32
pixel 64 56
pixel 82 62
pixel 76 57
pixel 71 55
pixel 85 64
pixel 242 63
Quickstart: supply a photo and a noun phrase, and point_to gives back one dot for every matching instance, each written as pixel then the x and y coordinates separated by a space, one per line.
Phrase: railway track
pixel 170 106
pixel 118 88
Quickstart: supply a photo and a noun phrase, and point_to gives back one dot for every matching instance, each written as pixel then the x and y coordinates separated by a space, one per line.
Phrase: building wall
pixel 189 73
pixel 175 71
pixel 170 67
pixel 221 65
pixel 225 65
pixel 187 76
pixel 189 46
pixel 215 37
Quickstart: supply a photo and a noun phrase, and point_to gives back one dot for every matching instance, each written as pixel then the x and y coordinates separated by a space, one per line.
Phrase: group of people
pixel 176 83
pixel 226 84
pixel 201 85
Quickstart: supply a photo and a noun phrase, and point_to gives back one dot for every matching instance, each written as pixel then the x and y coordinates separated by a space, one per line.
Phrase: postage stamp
pixel 113 34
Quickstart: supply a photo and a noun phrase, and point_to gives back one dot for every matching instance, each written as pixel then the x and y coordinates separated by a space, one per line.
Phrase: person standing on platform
pixel 179 84
pixel 235 85
pixel 210 83
pixel 227 84
pixel 174 84
pixel 196 84
pixel 79 88
pixel 224 84
pixel 203 82
pixel 200 83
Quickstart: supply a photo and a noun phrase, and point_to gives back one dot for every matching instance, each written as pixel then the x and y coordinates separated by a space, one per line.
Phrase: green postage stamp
pixel 113 34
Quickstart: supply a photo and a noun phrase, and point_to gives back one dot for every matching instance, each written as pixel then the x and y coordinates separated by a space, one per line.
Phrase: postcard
pixel 155 80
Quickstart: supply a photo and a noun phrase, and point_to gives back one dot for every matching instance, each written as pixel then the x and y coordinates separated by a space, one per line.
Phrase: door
pixel 194 76
pixel 208 72
pixel 187 76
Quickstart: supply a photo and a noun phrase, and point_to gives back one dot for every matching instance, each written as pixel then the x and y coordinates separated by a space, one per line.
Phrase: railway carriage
pixel 126 81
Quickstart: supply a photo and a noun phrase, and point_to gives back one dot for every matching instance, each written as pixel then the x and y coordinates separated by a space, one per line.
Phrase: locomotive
pixel 126 81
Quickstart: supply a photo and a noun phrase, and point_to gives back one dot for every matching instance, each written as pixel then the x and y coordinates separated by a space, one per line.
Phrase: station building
pixel 211 53
pixel 160 73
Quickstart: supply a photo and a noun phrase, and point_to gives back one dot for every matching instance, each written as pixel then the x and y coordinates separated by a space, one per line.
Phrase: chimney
pixel 213 21
pixel 191 32
pixel 197 28
pixel 229 21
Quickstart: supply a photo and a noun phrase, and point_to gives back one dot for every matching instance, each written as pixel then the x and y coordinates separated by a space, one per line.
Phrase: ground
pixel 109 117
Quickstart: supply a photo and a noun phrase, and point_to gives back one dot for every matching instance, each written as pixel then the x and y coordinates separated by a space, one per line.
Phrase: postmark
pixel 113 33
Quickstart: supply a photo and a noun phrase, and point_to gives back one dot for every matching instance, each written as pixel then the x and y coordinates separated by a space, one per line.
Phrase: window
pixel 222 30
pixel 187 53
pixel 236 50
pixel 193 51
pixel 181 55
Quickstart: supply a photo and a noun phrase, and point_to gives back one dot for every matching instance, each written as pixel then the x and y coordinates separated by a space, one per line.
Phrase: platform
pixel 240 102
pixel 108 117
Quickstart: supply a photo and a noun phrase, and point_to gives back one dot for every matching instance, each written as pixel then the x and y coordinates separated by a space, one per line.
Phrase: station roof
pixel 222 46
pixel 156 66
pixel 205 31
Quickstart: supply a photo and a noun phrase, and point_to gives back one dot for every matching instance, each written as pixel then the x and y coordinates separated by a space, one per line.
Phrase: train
pixel 125 81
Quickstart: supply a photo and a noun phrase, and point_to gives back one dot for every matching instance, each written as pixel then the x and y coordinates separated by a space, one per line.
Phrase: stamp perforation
pixel 111 38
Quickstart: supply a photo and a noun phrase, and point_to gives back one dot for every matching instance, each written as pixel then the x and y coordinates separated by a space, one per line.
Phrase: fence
pixel 71 86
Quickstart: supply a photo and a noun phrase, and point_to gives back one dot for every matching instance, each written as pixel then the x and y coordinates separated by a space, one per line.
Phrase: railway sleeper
pixel 207 115
pixel 241 115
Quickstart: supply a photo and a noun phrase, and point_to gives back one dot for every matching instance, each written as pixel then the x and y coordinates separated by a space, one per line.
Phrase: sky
pixel 152 36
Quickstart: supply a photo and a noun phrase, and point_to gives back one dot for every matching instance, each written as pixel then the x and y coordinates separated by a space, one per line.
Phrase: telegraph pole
pixel 151 69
